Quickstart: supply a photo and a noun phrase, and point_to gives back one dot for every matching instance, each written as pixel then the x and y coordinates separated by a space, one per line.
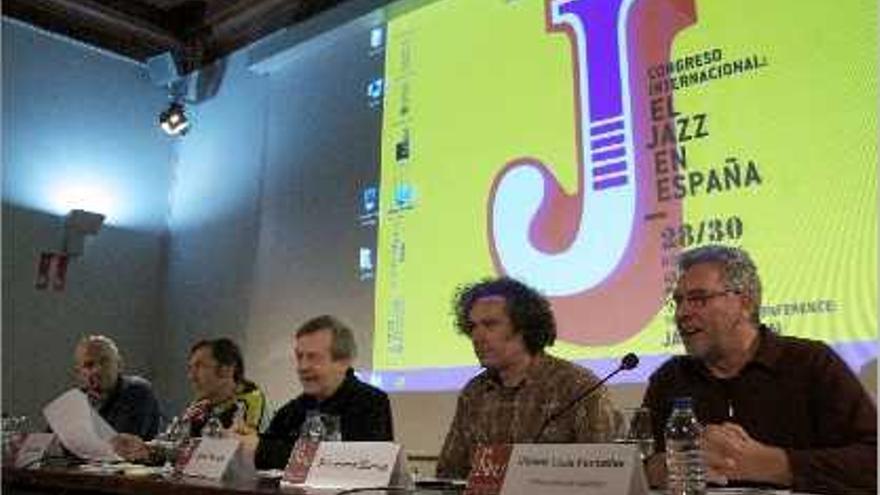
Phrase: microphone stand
pixel 628 362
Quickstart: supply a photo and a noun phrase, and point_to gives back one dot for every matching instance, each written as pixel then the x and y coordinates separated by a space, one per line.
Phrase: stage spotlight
pixel 173 120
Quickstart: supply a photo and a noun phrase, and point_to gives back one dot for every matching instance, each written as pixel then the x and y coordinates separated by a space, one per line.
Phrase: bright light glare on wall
pixel 89 196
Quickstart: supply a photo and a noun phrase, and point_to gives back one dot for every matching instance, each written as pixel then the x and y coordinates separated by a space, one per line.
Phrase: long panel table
pixel 71 481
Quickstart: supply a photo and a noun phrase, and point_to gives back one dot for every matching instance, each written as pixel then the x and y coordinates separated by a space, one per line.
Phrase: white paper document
pixel 79 427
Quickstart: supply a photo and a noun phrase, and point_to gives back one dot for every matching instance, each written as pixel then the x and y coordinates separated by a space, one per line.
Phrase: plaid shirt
pixel 490 413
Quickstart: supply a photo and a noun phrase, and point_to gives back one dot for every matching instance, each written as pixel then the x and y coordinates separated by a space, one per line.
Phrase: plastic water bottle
pixel 313 428
pixel 213 428
pixel 239 418
pixel 184 430
pixel 183 445
pixel 684 461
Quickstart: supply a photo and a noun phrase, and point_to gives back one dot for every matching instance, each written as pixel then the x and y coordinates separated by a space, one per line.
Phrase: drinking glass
pixel 632 426
pixel 332 428
pixel 14 431
pixel 312 428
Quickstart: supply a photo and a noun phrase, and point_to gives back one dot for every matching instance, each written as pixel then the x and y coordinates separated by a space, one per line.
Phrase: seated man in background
pixel 126 402
pixel 324 349
pixel 510 325
pixel 777 410
pixel 216 373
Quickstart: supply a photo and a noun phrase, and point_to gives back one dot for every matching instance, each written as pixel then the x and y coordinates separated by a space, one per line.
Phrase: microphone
pixel 628 362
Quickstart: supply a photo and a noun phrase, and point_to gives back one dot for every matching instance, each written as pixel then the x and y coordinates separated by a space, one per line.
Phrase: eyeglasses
pixel 698 299
pixel 198 365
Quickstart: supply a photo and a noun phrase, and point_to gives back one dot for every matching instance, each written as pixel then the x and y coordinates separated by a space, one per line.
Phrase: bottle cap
pixel 682 403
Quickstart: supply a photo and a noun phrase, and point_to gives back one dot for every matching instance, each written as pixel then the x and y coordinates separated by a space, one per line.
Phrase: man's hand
pixel 731 453
pixel 655 470
pixel 197 411
pixel 130 447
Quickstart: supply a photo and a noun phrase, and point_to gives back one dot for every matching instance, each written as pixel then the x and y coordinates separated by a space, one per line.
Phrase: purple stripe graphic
pixel 610 168
pixel 609 182
pixel 599 21
pixel 608 141
pixel 605 155
pixel 855 354
pixel 606 128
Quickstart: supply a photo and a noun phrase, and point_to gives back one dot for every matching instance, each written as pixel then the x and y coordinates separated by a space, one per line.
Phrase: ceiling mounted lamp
pixel 173 120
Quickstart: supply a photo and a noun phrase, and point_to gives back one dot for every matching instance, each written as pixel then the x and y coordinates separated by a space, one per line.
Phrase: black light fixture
pixel 173 120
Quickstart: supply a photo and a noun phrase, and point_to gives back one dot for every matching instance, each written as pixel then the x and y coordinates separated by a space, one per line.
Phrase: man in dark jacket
pixel 126 402
pixel 324 349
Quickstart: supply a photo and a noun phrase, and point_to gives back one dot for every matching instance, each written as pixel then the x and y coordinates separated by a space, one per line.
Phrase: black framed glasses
pixel 698 299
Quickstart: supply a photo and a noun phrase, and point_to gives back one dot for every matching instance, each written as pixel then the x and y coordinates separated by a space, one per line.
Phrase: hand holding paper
pixel 80 428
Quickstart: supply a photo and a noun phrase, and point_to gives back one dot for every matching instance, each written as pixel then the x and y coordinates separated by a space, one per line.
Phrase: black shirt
pixel 364 411
pixel 131 407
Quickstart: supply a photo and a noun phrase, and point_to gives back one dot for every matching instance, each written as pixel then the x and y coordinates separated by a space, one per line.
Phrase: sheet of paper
pixel 79 427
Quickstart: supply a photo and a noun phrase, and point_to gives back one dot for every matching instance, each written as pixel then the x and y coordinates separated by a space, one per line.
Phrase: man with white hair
pixel 323 352
pixel 126 402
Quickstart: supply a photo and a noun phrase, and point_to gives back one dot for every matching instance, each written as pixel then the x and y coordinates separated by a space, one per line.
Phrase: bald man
pixel 126 402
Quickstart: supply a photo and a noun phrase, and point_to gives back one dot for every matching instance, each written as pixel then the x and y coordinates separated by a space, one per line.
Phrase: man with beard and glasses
pixel 777 410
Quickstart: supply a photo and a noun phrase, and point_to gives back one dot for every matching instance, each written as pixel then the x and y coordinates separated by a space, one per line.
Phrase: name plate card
pixel 488 469
pixel 350 465
pixel 12 443
pixel 33 450
pixel 215 458
pixel 557 469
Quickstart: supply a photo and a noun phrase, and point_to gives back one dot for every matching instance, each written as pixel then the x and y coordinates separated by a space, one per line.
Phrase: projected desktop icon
pixel 365 263
pixel 377 37
pixel 404 98
pixel 368 213
pixel 402 147
pixel 369 200
pixel 403 196
pixel 398 251
pixel 375 90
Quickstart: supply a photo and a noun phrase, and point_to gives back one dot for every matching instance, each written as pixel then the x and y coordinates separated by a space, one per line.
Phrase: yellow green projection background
pixel 472 84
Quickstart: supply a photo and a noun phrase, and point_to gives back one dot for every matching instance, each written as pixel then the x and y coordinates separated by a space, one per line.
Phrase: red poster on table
pixel 300 461
pixel 185 452
pixel 488 467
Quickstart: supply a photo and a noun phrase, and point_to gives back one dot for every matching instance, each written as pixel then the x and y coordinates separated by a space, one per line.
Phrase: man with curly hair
pixel 510 325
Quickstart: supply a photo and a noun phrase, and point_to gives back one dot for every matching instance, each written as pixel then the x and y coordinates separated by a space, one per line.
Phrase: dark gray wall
pixel 78 131
pixel 215 197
